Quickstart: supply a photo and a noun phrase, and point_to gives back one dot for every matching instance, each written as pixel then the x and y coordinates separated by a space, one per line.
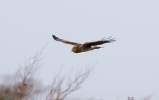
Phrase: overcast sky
pixel 127 67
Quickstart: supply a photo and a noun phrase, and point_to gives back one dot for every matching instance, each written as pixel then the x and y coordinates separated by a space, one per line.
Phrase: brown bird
pixel 87 46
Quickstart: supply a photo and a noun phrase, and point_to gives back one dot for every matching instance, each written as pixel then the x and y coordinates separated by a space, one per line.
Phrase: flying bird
pixel 87 46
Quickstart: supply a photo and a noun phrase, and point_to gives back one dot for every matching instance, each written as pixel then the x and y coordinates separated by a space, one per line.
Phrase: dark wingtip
pixel 110 39
pixel 54 37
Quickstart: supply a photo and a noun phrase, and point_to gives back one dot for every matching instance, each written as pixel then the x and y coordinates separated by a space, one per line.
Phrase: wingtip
pixel 54 37
pixel 110 39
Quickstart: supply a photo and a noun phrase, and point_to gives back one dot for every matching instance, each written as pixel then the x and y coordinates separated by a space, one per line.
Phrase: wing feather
pixel 64 41
pixel 100 42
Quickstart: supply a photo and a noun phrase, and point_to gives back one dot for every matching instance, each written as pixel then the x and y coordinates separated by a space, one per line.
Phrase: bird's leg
pixel 97 47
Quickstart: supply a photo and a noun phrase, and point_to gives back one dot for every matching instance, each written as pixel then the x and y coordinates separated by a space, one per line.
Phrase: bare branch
pixel 23 85
pixel 57 91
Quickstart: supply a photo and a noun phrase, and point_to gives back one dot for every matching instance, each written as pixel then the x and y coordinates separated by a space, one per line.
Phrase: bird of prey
pixel 87 46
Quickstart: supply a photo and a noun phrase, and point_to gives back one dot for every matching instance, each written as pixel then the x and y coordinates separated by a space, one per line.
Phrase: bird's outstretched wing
pixel 100 42
pixel 64 41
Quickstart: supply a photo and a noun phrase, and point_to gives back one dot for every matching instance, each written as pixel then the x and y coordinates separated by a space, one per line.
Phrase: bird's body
pixel 82 48
pixel 87 46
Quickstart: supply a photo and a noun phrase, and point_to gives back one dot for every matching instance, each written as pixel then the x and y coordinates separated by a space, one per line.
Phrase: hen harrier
pixel 87 46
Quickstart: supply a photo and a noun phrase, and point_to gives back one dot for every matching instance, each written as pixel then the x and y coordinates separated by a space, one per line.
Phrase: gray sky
pixel 127 67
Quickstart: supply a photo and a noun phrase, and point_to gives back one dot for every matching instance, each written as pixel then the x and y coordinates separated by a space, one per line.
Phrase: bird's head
pixel 75 50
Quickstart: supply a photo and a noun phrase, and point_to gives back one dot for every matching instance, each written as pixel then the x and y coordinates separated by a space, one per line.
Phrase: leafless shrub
pixel 144 98
pixel 147 98
pixel 131 98
pixel 23 85
pixel 64 85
